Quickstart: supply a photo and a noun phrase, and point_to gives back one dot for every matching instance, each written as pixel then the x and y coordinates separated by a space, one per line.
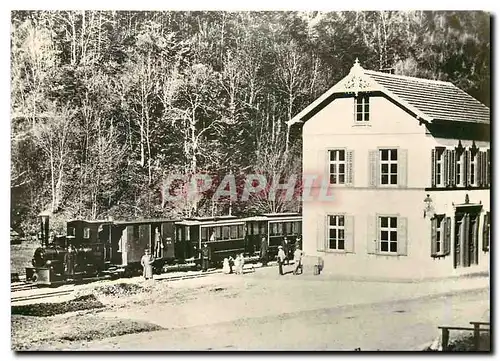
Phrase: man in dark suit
pixel 205 257
pixel 286 249
pixel 263 251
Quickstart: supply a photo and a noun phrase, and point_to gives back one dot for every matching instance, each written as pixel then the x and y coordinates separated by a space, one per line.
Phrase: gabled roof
pixel 428 100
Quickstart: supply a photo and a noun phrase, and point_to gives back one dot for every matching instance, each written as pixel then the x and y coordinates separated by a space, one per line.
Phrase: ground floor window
pixel 336 232
pixel 388 228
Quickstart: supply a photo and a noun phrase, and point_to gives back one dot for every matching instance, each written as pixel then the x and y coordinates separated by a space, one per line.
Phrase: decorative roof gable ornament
pixel 357 81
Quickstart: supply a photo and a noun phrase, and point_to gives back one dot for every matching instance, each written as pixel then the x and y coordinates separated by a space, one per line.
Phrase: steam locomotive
pixel 95 248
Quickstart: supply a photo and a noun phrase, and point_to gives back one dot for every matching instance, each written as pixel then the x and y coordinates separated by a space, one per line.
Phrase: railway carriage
pixel 116 247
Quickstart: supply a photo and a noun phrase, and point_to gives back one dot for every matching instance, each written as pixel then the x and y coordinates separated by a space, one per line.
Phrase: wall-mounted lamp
pixel 429 208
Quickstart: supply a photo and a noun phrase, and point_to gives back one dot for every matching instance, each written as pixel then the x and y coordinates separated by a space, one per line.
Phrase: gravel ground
pixel 262 310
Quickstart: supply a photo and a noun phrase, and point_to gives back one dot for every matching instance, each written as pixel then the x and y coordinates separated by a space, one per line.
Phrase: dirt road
pixel 264 312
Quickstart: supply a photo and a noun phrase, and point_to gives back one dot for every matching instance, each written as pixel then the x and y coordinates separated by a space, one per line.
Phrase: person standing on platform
pixel 286 249
pixel 69 262
pixel 158 244
pixel 281 259
pixel 263 251
pixel 297 258
pixel 205 257
pixel 147 265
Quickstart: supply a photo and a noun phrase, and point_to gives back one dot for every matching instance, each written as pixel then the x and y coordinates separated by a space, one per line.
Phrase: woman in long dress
pixel 147 265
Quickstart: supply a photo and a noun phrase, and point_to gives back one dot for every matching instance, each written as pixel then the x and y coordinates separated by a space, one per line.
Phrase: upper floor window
pixel 459 167
pixel 388 166
pixel 337 166
pixel 362 108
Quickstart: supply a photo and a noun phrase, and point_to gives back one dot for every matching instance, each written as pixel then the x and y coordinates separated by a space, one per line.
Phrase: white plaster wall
pixel 389 126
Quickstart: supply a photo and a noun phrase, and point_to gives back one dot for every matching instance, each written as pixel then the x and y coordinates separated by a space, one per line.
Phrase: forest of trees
pixel 106 104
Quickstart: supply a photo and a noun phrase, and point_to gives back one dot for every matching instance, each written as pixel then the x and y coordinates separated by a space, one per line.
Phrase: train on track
pixel 115 248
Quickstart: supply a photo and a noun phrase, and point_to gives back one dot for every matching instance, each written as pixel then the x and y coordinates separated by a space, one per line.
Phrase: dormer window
pixel 362 108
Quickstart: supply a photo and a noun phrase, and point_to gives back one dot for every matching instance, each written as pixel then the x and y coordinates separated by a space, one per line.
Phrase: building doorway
pixel 466 236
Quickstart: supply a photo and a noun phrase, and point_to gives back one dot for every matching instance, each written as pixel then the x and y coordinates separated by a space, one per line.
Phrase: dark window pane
pixel 341 234
pixel 384 247
pixel 394 154
pixel 333 155
pixel 367 106
pixel 394 247
pixel 359 108
pixel 341 244
pixel 341 168
pixel 333 220
pixel 341 155
pixel 333 233
pixel 367 116
pixel 384 235
pixel 333 179
pixel 384 222
pixel 385 168
pixel 394 237
pixel 333 168
pixel 333 244
pixel 218 232
pixel 359 117
pixel 384 154
pixel 438 246
pixel 341 179
pixel 225 232
pixel 385 179
pixel 341 220
pixel 394 179
pixel 394 222
pixel 394 168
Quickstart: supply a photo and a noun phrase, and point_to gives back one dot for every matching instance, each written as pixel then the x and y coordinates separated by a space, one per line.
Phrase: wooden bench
pixel 445 333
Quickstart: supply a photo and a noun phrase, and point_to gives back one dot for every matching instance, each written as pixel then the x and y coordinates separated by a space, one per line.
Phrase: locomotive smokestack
pixel 44 228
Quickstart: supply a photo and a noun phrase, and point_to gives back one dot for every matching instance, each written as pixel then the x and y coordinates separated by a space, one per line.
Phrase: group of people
pixel 286 251
pixel 284 255
pixel 234 264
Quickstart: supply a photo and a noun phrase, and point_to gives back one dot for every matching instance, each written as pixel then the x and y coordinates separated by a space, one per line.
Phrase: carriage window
pixel 251 228
pixel 300 227
pixel 187 234
pixel 234 232
pixel 273 228
pixel 263 229
pixel 225 232
pixel 295 227
pixel 280 228
pixel 86 232
pixel 204 234
pixel 241 231
pixel 218 232
pixel 71 231
pixel 288 227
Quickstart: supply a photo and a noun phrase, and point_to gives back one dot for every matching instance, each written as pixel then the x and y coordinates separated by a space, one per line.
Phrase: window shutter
pixel 488 168
pixel 402 167
pixel 349 234
pixel 372 235
pixel 446 166
pixel 433 168
pixel 374 168
pixel 402 236
pixel 349 168
pixel 447 236
pixel 465 250
pixel 486 232
pixel 467 168
pixel 324 165
pixel 321 236
pixel 453 168
pixel 484 166
pixel 433 236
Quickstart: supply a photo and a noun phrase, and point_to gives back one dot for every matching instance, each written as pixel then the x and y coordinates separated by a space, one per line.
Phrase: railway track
pixel 39 296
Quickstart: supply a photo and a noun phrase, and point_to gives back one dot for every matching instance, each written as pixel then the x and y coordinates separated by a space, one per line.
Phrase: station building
pixel 408 162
